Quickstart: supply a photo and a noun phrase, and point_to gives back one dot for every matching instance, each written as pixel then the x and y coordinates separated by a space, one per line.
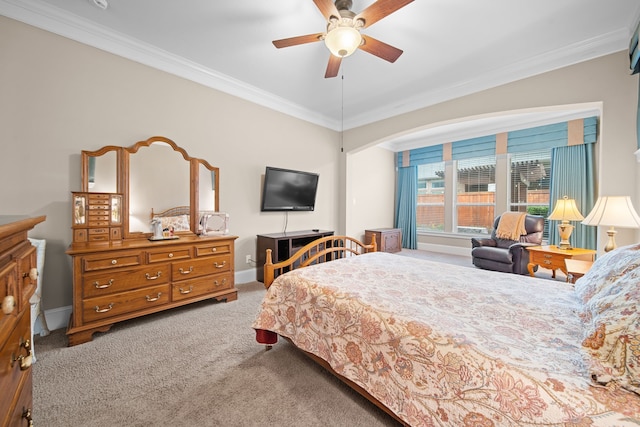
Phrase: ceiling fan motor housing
pixel 343 4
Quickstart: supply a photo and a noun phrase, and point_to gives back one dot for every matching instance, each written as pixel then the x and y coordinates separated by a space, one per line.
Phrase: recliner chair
pixel 509 256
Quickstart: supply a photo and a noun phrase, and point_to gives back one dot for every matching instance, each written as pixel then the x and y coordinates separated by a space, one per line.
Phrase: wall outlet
pixel 248 259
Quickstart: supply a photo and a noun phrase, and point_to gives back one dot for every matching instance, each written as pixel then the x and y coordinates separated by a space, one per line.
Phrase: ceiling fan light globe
pixel 343 41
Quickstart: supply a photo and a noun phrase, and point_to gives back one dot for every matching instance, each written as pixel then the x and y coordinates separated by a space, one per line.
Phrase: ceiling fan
pixel 343 35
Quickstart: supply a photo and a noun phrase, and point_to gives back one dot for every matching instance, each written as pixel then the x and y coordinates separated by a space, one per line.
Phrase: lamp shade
pixel 616 211
pixel 343 41
pixel 566 210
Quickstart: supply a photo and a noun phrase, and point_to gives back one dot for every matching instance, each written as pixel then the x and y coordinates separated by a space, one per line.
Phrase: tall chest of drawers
pixel 113 282
pixel 18 281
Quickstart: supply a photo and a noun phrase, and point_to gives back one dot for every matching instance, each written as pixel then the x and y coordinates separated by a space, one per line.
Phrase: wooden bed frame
pixel 321 250
pixel 325 249
pixel 178 210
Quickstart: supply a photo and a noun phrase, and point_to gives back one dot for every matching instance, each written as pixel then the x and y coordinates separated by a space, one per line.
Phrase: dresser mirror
pixel 156 176
pixel 100 170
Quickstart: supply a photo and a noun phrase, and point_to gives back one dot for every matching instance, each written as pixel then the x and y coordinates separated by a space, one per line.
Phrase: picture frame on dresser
pixel 120 271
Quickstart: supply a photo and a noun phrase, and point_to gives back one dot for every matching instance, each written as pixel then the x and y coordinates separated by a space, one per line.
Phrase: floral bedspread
pixel 440 344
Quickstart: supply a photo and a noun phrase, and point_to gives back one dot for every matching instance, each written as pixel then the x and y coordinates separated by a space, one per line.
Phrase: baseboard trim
pixel 57 318
pixel 445 249
pixel 246 276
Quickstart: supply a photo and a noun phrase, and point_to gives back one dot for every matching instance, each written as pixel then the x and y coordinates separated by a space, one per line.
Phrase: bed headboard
pixel 176 217
pixel 320 250
pixel 178 210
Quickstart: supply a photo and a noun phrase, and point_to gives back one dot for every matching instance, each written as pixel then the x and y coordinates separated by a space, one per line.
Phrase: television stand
pixel 283 246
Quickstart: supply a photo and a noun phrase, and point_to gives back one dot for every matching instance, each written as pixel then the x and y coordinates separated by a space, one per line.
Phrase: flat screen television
pixel 289 190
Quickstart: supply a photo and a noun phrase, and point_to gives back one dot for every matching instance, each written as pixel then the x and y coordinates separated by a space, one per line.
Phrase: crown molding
pixel 569 55
pixel 57 21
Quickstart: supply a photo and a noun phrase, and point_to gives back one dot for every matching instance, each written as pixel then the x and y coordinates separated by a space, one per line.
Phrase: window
pixel 430 209
pixel 475 195
pixel 529 183
pixel 463 185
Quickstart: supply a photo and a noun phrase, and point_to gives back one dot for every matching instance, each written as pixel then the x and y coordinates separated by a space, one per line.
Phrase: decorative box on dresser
pixel 18 282
pixel 113 282
pixel 387 239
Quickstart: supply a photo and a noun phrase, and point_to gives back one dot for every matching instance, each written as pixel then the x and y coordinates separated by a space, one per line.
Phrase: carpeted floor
pixel 195 365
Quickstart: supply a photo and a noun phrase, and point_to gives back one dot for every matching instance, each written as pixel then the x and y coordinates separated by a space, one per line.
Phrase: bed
pixel 435 344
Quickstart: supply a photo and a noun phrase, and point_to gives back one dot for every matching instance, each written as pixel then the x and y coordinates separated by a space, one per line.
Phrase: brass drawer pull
pixel 25 361
pixel 27 416
pixel 547 262
pixel 186 271
pixel 216 283
pixel 106 285
pixel 104 310
pixel 8 304
pixel 33 274
pixel 149 277
pixel 152 299
pixel 548 256
pixel 188 291
pixel 220 265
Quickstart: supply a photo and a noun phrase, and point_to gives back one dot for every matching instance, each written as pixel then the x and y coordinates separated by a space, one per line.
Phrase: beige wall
pixel 60 97
pixel 604 80
pixel 369 196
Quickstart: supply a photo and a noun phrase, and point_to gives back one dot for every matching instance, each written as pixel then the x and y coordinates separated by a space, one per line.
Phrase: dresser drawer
pixel 12 376
pixel 124 280
pixel 169 254
pixel 547 260
pixel 102 198
pixel 24 404
pixel 95 205
pixel 201 286
pixel 8 286
pixel 95 309
pixel 213 248
pixel 28 275
pixel 117 260
pixel 200 267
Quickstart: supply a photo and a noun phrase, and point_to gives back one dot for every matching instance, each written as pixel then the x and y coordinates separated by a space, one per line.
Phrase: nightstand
pixel 553 258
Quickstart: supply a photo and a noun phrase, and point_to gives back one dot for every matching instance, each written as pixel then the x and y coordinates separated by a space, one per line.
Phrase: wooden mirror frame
pixel 123 175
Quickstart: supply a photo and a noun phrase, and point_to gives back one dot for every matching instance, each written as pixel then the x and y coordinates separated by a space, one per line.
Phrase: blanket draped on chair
pixel 511 226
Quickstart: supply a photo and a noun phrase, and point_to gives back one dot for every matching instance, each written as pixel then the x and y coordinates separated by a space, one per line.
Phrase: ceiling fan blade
pixel 333 67
pixel 327 8
pixel 380 49
pixel 293 41
pixel 379 9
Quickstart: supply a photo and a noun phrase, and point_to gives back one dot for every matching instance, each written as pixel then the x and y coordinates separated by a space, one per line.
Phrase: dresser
pixel 113 282
pixel 387 239
pixel 18 282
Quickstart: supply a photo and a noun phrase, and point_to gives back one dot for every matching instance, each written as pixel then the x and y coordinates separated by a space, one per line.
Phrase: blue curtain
pixel 406 205
pixel 572 175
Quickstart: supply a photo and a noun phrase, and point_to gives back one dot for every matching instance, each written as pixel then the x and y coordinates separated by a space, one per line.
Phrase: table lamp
pixel 613 211
pixel 565 211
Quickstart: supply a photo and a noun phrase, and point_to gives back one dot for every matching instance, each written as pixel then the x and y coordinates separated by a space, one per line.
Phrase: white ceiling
pixel 451 47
